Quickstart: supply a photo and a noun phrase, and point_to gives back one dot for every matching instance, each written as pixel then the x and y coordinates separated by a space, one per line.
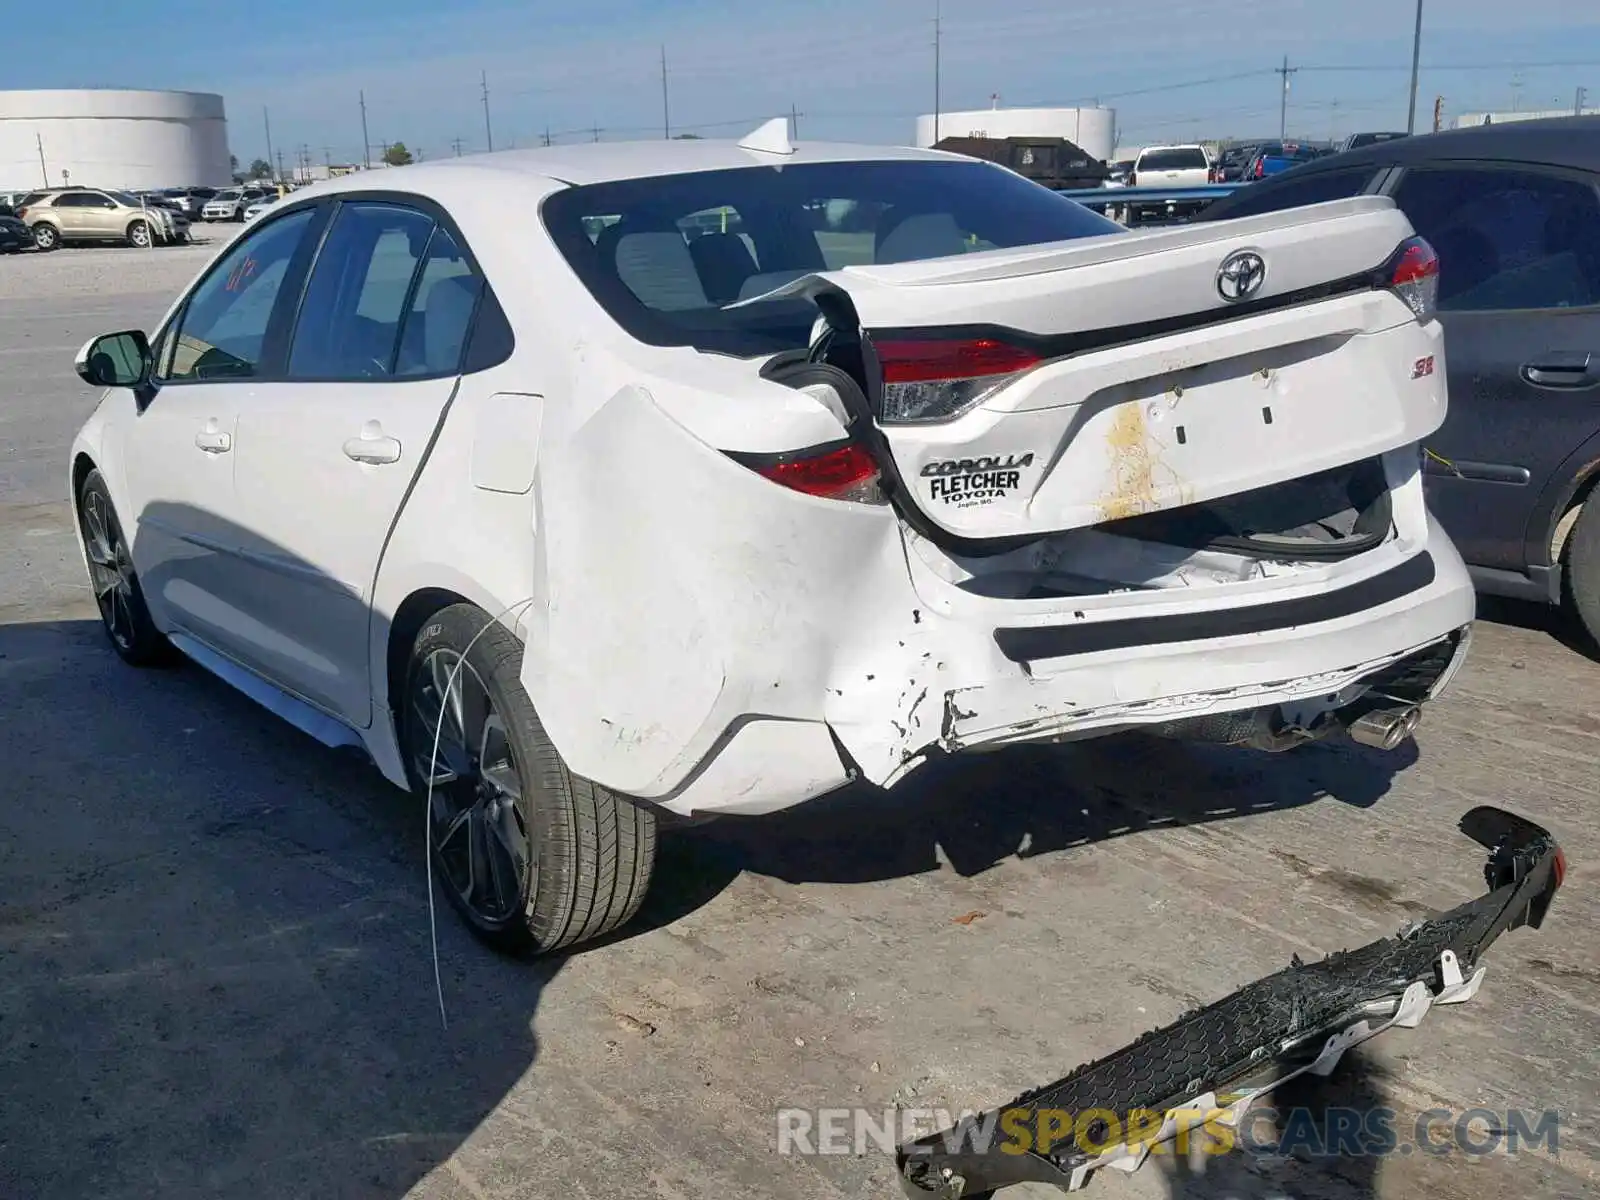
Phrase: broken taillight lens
pixel 838 471
pixel 935 380
pixel 1414 277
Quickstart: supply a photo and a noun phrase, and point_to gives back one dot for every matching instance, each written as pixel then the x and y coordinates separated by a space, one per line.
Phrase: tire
pixel 46 236
pixel 140 234
pixel 580 855
pixel 1583 569
pixel 107 557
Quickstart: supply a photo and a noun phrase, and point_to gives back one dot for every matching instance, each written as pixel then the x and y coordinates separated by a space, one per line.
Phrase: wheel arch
pixel 82 464
pixel 409 618
pixel 1571 488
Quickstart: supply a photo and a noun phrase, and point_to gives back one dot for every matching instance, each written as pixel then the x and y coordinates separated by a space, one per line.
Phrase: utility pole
pixel 1438 112
pixel 547 135
pixel 794 122
pixel 597 133
pixel 366 141
pixel 281 174
pixel 1577 102
pixel 266 121
pixel 1416 63
pixel 455 145
pixel 666 112
pixel 327 159
pixel 938 33
pixel 488 134
pixel 1283 104
pixel 44 172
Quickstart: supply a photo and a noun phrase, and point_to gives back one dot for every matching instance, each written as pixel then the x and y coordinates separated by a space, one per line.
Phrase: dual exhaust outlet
pixel 1385 728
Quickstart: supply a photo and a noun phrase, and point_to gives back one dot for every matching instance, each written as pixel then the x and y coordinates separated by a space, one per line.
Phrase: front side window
pixel 1507 239
pixel 223 329
pixel 667 256
pixel 349 324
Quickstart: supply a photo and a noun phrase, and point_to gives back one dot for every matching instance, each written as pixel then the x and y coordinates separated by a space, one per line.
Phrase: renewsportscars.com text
pixel 1334 1132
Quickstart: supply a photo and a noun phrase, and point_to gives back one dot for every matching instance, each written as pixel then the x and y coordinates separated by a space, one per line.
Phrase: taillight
pixel 935 380
pixel 837 471
pixel 1261 170
pixel 22 214
pixel 1414 276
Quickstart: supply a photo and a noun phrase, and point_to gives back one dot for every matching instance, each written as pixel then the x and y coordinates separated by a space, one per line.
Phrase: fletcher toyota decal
pixel 966 482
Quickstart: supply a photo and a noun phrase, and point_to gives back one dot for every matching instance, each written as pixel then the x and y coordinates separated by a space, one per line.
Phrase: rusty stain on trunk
pixel 1132 465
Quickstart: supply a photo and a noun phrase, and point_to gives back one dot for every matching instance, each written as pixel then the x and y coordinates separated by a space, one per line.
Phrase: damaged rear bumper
pixel 1212 1064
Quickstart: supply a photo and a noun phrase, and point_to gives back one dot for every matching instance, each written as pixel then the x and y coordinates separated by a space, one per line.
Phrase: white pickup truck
pixel 1172 167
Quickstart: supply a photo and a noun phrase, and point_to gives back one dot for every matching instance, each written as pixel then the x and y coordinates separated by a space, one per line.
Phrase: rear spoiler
pixel 1212 1064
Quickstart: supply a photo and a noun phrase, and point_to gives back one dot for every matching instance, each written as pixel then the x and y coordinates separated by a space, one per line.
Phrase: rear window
pixel 665 256
pixel 1174 160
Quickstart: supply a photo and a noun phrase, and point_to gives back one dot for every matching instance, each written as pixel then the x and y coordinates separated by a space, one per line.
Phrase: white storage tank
pixel 103 137
pixel 1088 128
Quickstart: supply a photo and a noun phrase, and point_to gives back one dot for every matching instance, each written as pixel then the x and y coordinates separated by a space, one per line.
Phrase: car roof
pixel 604 162
pixel 1555 141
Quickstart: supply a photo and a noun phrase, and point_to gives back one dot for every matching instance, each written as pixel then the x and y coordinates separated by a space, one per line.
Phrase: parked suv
pixel 190 200
pixel 91 215
pixel 230 205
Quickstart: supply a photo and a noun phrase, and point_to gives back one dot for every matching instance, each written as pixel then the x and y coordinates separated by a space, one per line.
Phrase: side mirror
pixel 115 360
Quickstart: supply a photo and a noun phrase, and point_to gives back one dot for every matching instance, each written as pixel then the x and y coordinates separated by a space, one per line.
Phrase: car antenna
pixel 771 137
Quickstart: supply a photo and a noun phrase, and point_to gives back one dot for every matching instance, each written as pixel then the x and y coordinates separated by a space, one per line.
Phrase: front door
pixel 1519 286
pixel 181 460
pixel 327 458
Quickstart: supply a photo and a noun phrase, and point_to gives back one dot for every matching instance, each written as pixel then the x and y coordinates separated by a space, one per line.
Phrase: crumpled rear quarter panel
pixel 682 592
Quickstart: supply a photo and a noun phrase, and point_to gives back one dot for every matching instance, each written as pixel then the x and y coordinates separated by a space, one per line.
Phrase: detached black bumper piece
pixel 1214 1062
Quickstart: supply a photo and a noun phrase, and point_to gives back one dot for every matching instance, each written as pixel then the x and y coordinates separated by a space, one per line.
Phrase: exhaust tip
pixel 1385 728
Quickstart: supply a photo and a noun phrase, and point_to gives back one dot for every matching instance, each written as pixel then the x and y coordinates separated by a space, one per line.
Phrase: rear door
pixel 326 458
pixel 1519 297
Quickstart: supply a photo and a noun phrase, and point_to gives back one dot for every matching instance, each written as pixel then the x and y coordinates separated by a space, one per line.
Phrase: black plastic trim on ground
pixel 1035 642
pixel 1247 1038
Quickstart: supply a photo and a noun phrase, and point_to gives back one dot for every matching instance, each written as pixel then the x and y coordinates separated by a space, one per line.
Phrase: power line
pixel 666 116
pixel 488 133
pixel 1416 59
pixel 1283 107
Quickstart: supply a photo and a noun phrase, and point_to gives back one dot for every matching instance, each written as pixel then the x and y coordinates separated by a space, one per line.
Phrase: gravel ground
pixel 214 958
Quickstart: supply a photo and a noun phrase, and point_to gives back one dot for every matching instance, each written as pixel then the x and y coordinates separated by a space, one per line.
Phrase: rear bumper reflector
pixel 1212 1064
pixel 1035 642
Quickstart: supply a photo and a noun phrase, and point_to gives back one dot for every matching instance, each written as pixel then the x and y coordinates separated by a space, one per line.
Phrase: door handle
pixel 372 448
pixel 1560 369
pixel 213 441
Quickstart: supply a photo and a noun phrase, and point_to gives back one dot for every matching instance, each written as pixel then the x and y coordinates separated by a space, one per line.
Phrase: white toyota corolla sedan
pixel 584 484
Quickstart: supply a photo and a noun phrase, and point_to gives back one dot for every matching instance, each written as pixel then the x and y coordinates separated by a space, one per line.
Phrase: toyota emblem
pixel 1241 275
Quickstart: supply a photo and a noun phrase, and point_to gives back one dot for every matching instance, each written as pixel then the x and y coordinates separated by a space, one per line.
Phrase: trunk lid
pixel 1018 393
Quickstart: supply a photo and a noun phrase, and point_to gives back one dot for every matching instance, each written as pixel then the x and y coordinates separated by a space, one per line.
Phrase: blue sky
pixel 855 69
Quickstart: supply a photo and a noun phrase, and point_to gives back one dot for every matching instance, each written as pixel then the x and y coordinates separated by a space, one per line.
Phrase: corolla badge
pixel 1241 275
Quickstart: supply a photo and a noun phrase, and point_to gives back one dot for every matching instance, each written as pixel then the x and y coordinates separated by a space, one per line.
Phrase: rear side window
pixel 665 256
pixel 1174 160
pixel 440 315
pixel 360 285
pixel 1507 239
pixel 1296 191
